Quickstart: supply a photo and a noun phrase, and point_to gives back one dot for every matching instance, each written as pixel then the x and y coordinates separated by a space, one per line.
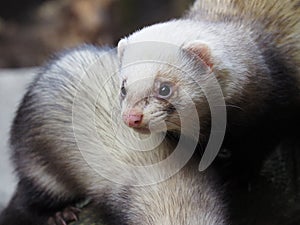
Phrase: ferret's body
pixel 68 144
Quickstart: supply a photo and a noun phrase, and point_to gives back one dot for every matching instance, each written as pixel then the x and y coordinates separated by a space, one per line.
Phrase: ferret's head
pixel 160 80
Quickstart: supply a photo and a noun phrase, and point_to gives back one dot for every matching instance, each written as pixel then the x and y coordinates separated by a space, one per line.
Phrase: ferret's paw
pixel 64 217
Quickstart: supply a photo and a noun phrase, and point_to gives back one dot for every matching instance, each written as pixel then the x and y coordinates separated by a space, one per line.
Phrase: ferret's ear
pixel 200 50
pixel 121 47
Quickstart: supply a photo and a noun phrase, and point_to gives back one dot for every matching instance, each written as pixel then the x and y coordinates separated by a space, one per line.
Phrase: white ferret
pixel 250 47
pixel 249 51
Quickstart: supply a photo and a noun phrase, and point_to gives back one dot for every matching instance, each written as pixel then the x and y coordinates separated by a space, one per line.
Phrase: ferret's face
pixel 158 95
pixel 161 81
pixel 150 100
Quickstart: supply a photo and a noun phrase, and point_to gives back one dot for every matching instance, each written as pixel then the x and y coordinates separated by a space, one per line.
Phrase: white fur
pixel 99 156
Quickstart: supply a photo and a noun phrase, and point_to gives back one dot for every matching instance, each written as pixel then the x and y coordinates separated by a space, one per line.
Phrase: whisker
pixel 232 106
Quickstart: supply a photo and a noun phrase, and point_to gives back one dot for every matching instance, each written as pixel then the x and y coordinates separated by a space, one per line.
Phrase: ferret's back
pixel 274 21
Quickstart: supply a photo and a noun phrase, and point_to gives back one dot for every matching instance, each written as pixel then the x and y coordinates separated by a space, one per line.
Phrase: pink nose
pixel 133 119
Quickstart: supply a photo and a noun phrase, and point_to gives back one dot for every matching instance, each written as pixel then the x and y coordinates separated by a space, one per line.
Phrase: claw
pixel 71 213
pixel 59 219
pixel 64 217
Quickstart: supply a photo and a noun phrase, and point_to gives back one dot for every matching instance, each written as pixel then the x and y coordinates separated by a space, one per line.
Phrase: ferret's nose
pixel 133 119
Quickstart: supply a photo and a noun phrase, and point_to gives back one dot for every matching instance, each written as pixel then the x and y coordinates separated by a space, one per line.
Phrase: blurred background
pixel 33 30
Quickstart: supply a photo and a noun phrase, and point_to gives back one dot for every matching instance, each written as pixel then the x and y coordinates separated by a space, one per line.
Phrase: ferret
pixel 250 47
pixel 68 145
pixel 60 139
pixel 231 60
pixel 236 62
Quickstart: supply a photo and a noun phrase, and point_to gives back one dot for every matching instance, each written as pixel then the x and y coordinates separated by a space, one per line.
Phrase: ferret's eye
pixel 165 91
pixel 123 91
